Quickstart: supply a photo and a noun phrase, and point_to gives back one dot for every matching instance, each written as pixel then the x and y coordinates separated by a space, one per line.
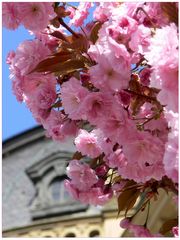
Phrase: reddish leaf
pixel 75 43
pixel 94 32
pixel 117 179
pixel 132 201
pixel 77 155
pixel 125 196
pixel 67 67
pixel 58 35
pixel 55 22
pixel 57 104
pixel 170 10
pixel 59 62
pixel 62 67
pixel 168 225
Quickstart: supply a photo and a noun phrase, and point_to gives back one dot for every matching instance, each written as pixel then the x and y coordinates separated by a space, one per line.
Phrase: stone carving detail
pixel 43 174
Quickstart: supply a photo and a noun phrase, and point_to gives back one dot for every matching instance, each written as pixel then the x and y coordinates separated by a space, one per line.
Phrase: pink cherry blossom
pixel 124 97
pixel 140 39
pixel 39 114
pixel 63 130
pixel 127 9
pixel 29 54
pixel 87 144
pixel 39 12
pixel 145 76
pixel 95 104
pixel 175 231
pixel 35 81
pixel 55 118
pixel 108 74
pixel 118 127
pixel 17 89
pixel 169 90
pixel 171 157
pixel 58 127
pixel 141 231
pixel 95 196
pixel 137 230
pixel 143 159
pixel 46 38
pixel 78 16
pixel 45 96
pixel 125 223
pixel 163 56
pixel 115 159
pixel 102 170
pixel 53 125
pixel 69 128
pixel 104 10
pixel 81 175
pixel 172 147
pixel 71 189
pixel 72 94
pixel 155 13
pixel 121 29
pixel 10 57
pixel 105 144
pixel 162 45
pixel 117 187
pixel 10 16
pixel 55 133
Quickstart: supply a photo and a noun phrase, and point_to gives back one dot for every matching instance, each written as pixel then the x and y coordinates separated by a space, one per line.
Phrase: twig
pixel 67 27
pixel 145 224
pixel 140 95
pixel 141 9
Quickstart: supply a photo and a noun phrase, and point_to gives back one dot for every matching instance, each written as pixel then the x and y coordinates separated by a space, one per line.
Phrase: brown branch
pixel 140 95
pixel 67 27
pixel 141 9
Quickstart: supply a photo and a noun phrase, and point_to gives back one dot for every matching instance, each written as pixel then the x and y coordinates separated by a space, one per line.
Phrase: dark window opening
pixel 70 235
pixel 94 233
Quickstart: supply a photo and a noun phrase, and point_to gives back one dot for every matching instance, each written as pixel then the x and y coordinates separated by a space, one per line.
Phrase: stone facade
pixel 30 163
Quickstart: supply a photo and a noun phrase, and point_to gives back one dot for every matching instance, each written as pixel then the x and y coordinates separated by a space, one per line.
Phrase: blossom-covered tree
pixel 112 84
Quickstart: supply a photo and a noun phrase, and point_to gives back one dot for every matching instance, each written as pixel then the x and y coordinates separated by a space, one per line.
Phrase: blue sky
pixel 16 117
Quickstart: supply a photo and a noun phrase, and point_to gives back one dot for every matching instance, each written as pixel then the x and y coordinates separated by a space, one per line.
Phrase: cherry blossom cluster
pixel 118 97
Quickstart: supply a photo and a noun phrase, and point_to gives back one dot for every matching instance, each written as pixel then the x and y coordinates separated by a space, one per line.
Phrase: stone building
pixel 35 203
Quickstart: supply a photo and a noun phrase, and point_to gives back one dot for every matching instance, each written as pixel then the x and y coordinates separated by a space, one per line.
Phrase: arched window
pixel 70 235
pixel 57 190
pixel 94 233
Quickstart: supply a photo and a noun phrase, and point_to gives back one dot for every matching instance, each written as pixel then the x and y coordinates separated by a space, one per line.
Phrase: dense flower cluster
pixel 112 85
